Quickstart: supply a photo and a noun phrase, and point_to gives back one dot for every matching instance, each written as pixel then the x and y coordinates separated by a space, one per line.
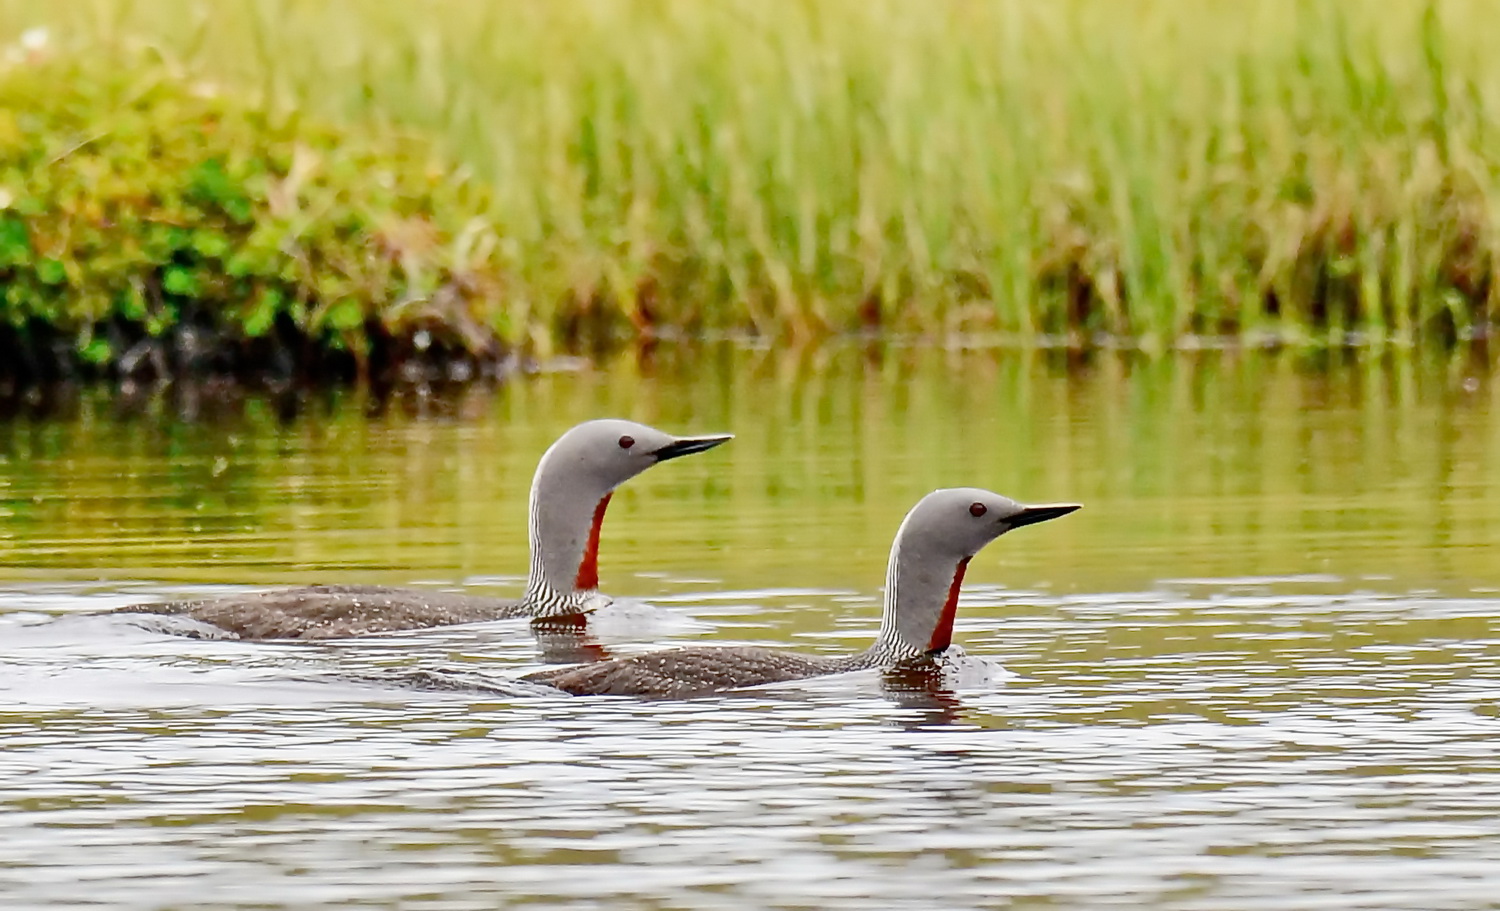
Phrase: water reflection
pixel 1255 464
pixel 567 640
pixel 1259 670
pixel 927 695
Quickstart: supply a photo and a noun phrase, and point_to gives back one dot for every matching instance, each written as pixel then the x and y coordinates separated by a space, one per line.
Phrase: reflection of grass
pixel 1197 465
pixel 1149 169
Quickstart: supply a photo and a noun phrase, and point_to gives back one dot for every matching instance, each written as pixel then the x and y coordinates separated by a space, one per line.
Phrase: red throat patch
pixel 942 634
pixel 588 568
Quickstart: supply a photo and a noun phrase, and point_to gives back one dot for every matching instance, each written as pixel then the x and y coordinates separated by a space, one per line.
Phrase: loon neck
pixel 563 527
pixel 921 602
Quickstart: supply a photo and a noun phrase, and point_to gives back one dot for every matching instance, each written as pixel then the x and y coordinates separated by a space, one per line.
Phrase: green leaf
pixel 15 242
pixel 51 272
pixel 96 351
pixel 346 314
pixel 131 304
pixel 210 244
pixel 262 314
pixel 180 281
pixel 159 322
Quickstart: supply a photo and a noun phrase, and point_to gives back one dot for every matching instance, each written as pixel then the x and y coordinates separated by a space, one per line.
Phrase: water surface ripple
pixel 1260 670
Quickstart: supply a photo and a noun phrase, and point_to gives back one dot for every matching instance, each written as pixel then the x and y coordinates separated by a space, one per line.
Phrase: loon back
pixel 334 611
pixel 686 672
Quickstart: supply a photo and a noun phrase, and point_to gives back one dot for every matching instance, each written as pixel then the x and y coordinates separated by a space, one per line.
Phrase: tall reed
pixel 1305 169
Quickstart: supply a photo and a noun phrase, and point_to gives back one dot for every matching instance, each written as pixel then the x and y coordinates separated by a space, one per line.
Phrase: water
pixel 1259 670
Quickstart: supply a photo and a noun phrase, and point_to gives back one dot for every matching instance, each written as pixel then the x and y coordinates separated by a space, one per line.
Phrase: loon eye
pixel 627 441
pixel 977 509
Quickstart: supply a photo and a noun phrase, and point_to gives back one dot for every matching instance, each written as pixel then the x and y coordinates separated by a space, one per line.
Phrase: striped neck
pixel 563 524
pixel 921 601
pixel 540 601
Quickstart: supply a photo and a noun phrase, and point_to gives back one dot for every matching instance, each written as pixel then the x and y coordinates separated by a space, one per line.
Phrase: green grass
pixel 1021 170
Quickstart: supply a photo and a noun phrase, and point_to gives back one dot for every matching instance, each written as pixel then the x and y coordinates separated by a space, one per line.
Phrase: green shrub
pixel 136 202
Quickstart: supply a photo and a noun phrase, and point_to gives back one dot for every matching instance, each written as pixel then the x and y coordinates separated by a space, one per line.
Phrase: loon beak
pixel 1030 515
pixel 689 445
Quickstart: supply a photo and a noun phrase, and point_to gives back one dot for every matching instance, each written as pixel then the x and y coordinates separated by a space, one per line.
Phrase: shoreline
pixel 401 371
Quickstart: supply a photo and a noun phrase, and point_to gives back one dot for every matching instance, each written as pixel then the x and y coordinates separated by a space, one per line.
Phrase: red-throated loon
pixel 932 548
pixel 569 493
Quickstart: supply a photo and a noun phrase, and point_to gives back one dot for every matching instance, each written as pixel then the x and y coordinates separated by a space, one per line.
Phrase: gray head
pixel 931 551
pixel 573 484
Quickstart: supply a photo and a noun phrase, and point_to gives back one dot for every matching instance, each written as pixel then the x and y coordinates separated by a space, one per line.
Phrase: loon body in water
pixel 571 489
pixel 932 549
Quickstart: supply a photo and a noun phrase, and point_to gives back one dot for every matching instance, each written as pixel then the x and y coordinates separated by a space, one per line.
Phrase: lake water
pixel 1259 670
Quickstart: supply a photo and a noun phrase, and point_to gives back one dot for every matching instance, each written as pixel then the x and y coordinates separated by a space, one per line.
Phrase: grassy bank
pixel 1292 168
pixel 155 225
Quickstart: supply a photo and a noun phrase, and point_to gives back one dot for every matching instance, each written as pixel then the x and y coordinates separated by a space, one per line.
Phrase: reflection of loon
pixel 567 640
pixel 569 493
pixel 932 548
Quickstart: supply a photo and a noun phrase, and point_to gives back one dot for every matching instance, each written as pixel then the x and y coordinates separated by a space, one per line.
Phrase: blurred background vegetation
pixel 1310 172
